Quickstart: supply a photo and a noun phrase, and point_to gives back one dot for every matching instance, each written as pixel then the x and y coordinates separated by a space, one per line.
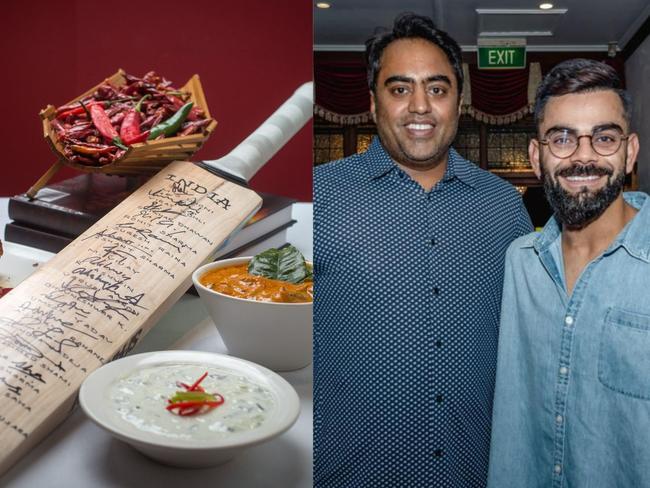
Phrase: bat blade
pixel 95 299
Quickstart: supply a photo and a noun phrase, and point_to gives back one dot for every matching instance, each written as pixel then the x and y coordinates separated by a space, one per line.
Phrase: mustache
pixel 584 170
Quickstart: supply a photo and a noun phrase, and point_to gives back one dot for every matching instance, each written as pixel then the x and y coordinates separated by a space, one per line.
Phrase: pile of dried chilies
pixel 99 128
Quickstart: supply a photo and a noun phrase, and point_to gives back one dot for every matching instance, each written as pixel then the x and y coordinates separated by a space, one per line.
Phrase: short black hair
pixel 580 76
pixel 412 26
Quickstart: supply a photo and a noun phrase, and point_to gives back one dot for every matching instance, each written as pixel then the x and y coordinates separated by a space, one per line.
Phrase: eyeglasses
pixel 564 143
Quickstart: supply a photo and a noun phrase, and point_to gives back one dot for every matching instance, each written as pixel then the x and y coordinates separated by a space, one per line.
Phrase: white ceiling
pixel 572 25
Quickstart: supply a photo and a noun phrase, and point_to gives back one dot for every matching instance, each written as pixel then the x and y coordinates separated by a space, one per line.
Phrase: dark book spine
pixel 35 238
pixel 48 216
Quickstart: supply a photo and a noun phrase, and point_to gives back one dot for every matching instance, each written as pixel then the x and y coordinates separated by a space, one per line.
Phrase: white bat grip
pixel 253 152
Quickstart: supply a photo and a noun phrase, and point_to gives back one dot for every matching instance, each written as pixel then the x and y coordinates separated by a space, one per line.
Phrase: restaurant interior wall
pixel 251 55
pixel 637 71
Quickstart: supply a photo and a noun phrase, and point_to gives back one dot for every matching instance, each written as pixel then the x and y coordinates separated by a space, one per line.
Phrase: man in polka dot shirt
pixel 572 401
pixel 410 240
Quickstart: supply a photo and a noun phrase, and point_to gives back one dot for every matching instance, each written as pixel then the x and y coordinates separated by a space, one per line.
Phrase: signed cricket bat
pixel 95 299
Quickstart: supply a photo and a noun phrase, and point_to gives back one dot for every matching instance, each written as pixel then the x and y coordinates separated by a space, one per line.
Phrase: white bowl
pixel 276 335
pixel 94 397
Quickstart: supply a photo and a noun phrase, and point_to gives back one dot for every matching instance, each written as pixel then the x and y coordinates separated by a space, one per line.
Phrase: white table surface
pixel 80 454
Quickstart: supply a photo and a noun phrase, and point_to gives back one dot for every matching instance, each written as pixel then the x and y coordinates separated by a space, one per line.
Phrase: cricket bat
pixel 93 302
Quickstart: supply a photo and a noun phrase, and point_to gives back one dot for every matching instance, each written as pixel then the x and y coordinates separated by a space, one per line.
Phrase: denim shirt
pixel 572 398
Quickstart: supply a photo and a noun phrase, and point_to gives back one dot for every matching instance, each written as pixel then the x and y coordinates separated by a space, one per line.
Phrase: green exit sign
pixel 502 54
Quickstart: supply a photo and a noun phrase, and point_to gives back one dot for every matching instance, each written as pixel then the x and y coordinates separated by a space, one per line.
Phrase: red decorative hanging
pixel 499 92
pixel 342 94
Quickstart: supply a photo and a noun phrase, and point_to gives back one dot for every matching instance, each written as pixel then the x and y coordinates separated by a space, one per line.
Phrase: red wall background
pixel 250 54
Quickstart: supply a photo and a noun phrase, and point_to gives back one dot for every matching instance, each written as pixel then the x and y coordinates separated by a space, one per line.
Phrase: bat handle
pixel 253 152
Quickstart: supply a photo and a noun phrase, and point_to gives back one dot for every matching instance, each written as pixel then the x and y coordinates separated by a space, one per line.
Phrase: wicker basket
pixel 143 158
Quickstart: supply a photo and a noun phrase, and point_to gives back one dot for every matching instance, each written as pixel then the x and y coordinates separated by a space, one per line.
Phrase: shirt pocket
pixel 624 359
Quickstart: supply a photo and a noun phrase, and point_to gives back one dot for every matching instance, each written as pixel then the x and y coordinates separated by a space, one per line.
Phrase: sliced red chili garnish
pixel 191 402
pixel 198 382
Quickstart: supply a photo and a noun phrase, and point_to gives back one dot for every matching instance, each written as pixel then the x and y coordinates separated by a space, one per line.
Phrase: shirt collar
pixel 635 237
pixel 378 163
pixel 461 168
pixel 376 159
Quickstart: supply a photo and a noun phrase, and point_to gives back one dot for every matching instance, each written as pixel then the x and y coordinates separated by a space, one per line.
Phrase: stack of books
pixel 62 211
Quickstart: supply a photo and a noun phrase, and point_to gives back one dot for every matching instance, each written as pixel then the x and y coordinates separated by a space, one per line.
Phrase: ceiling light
pixel 545 6
pixel 323 5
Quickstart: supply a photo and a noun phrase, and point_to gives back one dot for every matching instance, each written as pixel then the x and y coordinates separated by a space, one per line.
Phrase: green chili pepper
pixel 189 396
pixel 173 123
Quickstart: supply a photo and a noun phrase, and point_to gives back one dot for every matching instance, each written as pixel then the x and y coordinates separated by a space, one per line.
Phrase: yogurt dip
pixel 141 397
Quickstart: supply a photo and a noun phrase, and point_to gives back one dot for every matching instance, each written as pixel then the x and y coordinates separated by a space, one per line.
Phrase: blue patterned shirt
pixel 572 404
pixel 408 291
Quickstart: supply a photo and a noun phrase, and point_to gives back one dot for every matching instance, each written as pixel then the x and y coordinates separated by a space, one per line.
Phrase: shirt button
pixel 437 453
pixel 568 320
pixel 559 419
pixel 438 343
pixel 564 370
pixel 557 469
pixel 436 291
pixel 432 242
pixel 439 398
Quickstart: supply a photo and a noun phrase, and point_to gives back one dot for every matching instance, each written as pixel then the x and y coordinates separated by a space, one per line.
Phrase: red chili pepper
pixel 185 412
pixel 198 382
pixel 118 118
pixel 77 110
pixel 187 387
pixel 141 138
pixel 57 126
pixel 196 113
pixel 130 128
pixel 193 126
pixel 82 159
pixel 92 148
pixel 102 122
pixel 152 120
pixel 177 102
pixel 65 108
pixel 104 126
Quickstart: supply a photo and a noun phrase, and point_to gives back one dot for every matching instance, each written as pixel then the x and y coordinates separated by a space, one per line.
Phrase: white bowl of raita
pixel 189 408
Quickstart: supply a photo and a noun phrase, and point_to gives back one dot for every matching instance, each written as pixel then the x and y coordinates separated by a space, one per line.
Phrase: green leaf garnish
pixel 192 396
pixel 285 264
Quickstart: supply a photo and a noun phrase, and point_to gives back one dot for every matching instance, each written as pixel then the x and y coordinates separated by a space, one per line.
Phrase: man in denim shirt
pixel 572 399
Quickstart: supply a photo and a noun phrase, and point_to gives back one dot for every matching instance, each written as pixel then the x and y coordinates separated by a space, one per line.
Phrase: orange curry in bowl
pixel 237 282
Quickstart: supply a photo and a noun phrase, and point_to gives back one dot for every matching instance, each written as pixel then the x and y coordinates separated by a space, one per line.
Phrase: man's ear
pixel 373 109
pixel 533 156
pixel 632 150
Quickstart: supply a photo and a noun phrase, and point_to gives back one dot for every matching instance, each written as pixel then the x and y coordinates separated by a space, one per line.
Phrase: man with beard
pixel 572 399
pixel 410 240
